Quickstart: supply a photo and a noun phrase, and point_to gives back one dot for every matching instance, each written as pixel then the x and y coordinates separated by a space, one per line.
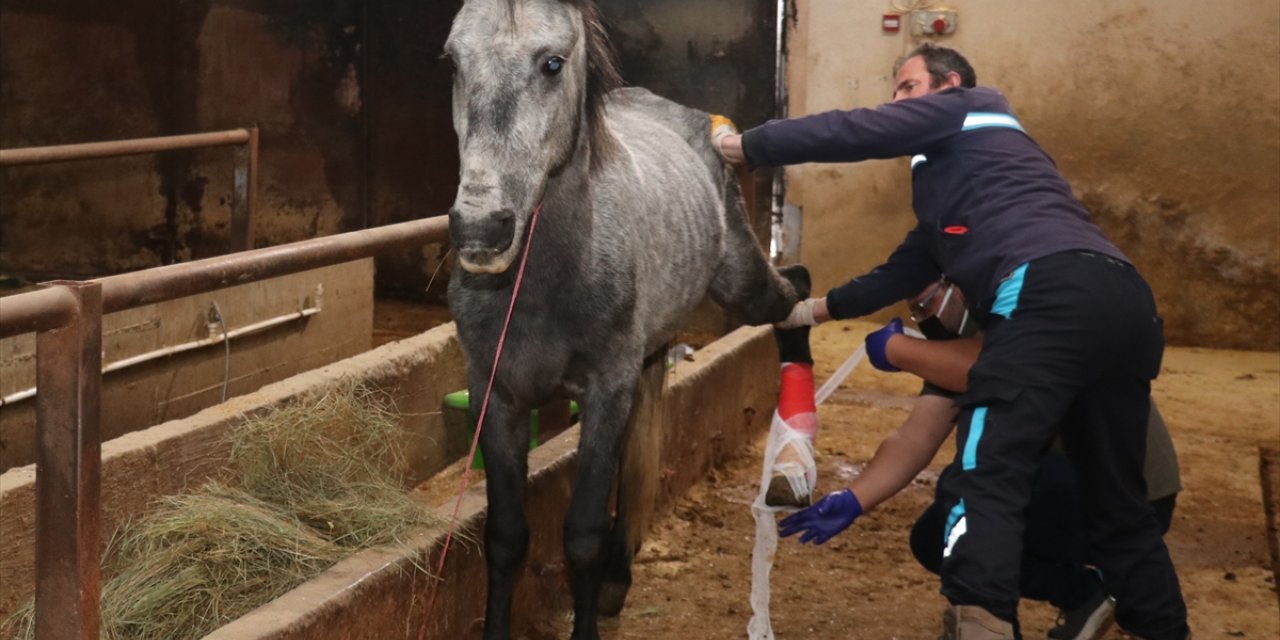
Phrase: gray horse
pixel 639 222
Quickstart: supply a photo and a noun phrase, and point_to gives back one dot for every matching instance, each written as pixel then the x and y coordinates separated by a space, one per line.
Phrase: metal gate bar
pixel 245 177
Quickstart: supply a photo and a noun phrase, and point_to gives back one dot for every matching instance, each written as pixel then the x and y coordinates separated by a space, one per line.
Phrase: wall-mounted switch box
pixel 933 23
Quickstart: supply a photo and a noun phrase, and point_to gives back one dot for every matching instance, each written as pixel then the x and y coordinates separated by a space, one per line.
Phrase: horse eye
pixel 553 65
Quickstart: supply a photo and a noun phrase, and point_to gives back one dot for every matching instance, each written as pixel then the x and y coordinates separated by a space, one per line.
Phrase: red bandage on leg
pixel 795 398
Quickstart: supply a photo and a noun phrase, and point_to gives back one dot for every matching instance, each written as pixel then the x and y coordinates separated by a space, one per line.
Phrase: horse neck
pixel 568 192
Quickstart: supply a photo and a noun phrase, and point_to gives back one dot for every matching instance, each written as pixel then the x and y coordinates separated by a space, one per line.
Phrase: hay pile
pixel 314 482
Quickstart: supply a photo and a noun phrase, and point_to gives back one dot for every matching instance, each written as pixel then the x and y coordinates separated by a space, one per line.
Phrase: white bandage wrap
pixel 801 315
pixel 802 475
pixel 760 627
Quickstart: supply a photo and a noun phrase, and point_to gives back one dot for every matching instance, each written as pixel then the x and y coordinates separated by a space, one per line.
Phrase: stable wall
pixel 1164 116
pixel 351 100
pixel 338 299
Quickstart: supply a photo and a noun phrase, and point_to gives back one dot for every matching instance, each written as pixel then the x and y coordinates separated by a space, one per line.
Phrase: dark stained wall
pixel 354 132
pixel 714 55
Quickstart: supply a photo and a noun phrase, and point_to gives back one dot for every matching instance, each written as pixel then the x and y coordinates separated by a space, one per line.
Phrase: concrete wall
pixel 1164 115
pixel 179 385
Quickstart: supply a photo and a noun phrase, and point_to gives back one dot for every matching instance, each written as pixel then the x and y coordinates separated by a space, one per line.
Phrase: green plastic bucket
pixel 457 406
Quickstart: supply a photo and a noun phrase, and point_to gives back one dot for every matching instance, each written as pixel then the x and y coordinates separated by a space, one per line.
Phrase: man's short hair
pixel 940 61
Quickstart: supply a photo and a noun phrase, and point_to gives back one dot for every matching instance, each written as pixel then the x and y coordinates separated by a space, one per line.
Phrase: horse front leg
pixel 504 439
pixel 606 406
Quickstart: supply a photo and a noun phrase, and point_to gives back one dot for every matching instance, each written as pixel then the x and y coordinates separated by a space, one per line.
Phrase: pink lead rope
pixel 484 407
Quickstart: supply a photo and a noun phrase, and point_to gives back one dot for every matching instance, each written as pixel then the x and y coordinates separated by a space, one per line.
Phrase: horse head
pixel 529 84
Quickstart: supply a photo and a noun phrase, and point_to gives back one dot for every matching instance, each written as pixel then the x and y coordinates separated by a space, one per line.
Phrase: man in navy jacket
pixel 1072 338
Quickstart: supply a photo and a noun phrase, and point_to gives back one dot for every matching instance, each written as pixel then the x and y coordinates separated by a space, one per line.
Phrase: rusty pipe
pixel 244 193
pixel 129 290
pixel 68 471
pixel 39 310
pixel 114 148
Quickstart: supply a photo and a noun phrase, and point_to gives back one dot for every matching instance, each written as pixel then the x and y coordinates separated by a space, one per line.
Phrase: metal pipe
pixel 129 290
pixel 38 310
pixel 243 193
pixel 114 148
pixel 68 471
pixel 212 340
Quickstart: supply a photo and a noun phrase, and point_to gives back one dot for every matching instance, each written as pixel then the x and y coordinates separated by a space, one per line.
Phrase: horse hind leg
pixel 637 487
pixel 745 284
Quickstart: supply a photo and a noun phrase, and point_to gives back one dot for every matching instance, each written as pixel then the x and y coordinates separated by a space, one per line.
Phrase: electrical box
pixel 933 23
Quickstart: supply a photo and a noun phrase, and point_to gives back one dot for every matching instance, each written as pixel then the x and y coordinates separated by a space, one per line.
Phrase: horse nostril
pixel 504 218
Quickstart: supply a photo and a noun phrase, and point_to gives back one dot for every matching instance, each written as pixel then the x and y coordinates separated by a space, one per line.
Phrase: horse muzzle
pixel 484 241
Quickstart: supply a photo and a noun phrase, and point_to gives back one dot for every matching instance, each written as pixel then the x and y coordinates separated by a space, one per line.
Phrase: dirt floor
pixel 693 574
pixel 692 577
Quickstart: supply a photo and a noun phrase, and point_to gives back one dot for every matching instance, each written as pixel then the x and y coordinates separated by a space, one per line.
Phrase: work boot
pixel 971 622
pixel 1088 621
pixel 791 462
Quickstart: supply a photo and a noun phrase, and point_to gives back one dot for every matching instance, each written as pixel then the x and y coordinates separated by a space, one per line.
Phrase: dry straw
pixel 315 481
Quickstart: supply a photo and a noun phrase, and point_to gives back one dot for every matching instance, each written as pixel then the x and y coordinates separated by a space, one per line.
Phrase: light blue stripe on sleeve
pixel 1008 293
pixel 976 424
pixel 981 120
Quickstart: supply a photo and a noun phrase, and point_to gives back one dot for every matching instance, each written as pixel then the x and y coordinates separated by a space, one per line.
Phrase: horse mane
pixel 602 78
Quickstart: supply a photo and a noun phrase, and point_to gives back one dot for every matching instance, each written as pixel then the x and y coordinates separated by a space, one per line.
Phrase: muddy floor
pixel 693 574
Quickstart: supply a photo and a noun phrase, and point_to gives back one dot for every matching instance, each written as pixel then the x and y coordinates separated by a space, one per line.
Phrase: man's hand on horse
pixel 726 141
pixel 806 313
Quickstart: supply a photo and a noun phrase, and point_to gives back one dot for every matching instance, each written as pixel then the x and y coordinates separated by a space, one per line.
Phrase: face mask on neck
pixel 936 323
pixel 933 329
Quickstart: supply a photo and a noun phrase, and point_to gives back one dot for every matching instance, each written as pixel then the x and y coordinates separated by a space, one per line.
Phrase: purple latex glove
pixel 876 342
pixel 829 516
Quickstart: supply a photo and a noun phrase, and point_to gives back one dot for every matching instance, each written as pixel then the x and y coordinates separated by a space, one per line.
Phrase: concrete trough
pixel 707 408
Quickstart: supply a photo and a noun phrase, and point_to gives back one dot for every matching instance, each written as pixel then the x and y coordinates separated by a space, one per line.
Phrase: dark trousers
pixel 1076 351
pixel 1055 552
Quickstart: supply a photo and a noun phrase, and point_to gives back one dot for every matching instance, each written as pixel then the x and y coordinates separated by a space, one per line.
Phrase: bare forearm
pixel 906 451
pixel 895 463
pixel 943 363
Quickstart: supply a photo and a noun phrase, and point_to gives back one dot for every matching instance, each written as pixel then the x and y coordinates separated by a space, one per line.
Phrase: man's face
pixel 914 81
pixel 940 309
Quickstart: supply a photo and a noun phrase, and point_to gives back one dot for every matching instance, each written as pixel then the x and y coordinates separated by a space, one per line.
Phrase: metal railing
pixel 67 318
pixel 245 177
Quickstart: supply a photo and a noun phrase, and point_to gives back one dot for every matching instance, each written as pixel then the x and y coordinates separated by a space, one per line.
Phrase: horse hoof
pixel 799 278
pixel 613 596
pixel 781 495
